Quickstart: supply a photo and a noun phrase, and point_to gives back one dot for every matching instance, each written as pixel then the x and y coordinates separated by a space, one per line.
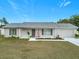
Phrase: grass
pixel 11 48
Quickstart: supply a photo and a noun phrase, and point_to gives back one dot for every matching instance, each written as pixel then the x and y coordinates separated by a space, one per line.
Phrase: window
pixel 46 31
pixel 12 32
pixel 42 31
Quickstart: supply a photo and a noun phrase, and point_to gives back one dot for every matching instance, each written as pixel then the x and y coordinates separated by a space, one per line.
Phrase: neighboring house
pixel 1 29
pixel 2 23
pixel 39 30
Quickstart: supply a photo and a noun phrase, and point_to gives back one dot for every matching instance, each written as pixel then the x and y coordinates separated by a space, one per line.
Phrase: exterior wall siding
pixel 18 32
pixel 1 31
pixel 22 33
pixel 39 34
pixel 6 33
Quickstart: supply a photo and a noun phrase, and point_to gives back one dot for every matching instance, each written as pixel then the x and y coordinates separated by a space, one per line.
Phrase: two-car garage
pixel 65 32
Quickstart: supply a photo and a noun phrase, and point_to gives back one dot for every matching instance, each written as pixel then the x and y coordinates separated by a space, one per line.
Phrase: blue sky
pixel 38 10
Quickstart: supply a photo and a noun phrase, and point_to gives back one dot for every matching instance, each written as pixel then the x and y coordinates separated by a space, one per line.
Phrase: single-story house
pixel 39 30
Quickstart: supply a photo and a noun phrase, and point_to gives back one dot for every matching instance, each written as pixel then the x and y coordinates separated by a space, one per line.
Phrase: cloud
pixel 13 5
pixel 61 5
pixel 67 3
pixel 64 3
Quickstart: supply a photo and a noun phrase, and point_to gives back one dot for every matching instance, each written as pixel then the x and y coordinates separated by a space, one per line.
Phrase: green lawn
pixel 22 49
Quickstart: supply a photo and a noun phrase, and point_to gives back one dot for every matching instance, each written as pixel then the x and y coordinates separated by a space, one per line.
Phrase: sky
pixel 37 10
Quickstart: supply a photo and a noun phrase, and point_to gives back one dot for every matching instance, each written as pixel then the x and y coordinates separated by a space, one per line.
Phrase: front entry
pixel 33 32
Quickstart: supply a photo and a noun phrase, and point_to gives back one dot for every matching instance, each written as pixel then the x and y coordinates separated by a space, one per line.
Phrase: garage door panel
pixel 64 33
pixel 67 33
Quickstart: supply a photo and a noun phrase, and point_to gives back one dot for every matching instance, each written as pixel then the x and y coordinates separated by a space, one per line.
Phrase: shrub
pixel 12 37
pixel 58 37
pixel 77 35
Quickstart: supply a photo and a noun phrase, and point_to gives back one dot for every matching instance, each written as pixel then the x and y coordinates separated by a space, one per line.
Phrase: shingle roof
pixel 40 25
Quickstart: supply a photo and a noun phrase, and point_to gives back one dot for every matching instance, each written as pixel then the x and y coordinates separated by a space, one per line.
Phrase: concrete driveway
pixel 73 40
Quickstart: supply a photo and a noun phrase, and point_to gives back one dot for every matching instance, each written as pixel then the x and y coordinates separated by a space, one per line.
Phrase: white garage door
pixel 67 33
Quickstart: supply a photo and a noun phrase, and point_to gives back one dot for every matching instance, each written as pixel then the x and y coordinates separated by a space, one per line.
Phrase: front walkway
pixel 73 41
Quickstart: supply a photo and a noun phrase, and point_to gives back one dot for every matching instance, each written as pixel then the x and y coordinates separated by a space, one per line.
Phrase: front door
pixel 33 32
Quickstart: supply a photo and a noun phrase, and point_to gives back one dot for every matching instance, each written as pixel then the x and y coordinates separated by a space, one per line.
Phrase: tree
pixel 63 21
pixel 4 20
pixel 78 29
pixel 73 20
